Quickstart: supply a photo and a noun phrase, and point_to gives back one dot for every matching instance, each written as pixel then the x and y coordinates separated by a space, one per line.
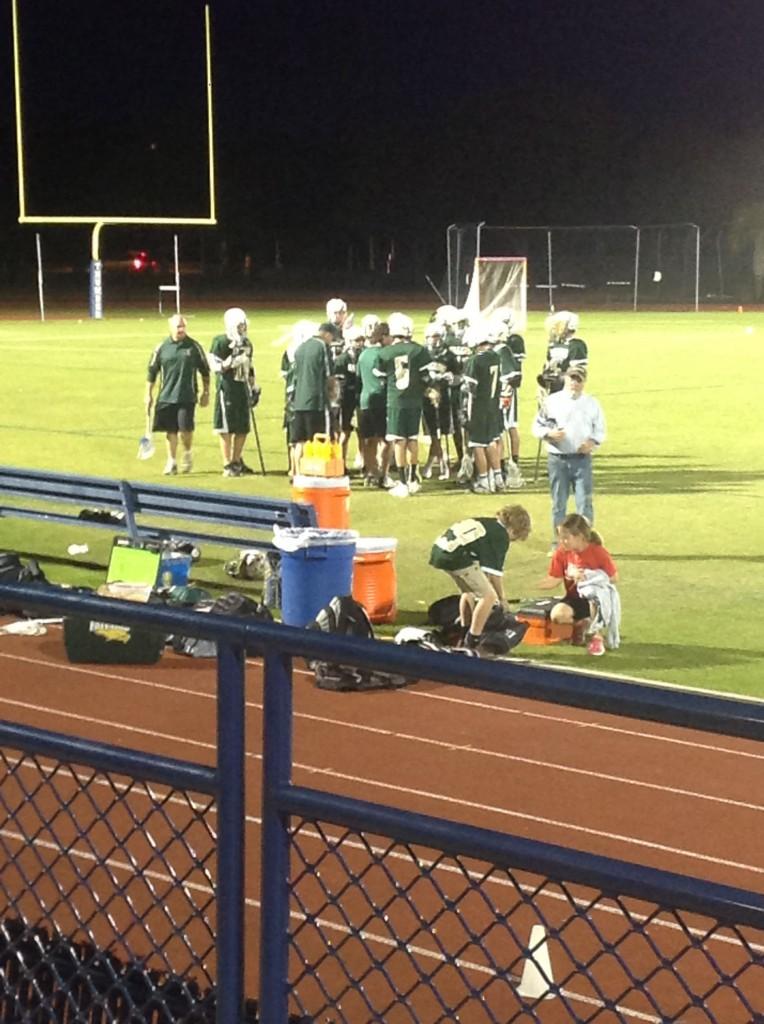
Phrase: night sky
pixel 391 115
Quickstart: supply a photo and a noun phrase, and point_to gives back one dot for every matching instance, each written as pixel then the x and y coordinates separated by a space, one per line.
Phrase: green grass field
pixel 679 484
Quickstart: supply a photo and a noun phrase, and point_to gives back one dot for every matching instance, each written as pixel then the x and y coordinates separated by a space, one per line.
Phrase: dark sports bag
pixel 233 603
pixel 347 617
pixel 14 570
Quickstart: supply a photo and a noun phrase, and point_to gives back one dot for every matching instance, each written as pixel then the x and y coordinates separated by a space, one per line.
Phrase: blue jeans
pixel 570 473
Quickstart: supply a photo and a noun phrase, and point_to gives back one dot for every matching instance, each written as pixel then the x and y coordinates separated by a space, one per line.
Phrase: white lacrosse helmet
pixel 447 315
pixel 352 336
pixel 401 326
pixel 504 315
pixel 477 334
pixel 334 306
pixel 301 331
pixel 368 324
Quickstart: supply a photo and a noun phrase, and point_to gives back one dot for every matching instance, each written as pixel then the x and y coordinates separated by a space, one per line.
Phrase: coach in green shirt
pixel 179 361
pixel 473 552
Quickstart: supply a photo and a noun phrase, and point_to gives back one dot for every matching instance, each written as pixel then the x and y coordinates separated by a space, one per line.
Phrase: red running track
pixel 660 796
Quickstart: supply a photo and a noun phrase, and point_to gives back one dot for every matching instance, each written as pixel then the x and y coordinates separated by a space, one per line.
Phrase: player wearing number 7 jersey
pixel 403 363
pixel 481 381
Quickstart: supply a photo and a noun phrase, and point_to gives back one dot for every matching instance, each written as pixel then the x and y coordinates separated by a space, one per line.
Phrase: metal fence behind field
pixel 111 862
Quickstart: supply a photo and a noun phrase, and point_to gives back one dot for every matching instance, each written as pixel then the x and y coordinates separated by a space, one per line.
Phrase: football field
pixel 679 483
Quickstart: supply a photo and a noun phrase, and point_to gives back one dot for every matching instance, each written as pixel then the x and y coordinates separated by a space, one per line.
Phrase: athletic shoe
pixel 370 481
pixel 399 490
pixel 427 471
pixel 231 469
pixel 596 646
pixel 244 469
pixel 445 472
pixel 186 462
pixel 481 489
pixel 387 482
pixel 498 483
pixel 171 468
pixel 414 487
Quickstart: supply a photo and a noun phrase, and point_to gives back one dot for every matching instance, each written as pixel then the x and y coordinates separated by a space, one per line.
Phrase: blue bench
pixel 139 504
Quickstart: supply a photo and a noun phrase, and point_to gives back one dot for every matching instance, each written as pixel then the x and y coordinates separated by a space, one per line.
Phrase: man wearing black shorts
pixel 314 388
pixel 177 360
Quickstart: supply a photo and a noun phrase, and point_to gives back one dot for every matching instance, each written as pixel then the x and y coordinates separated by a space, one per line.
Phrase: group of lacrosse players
pixel 378 380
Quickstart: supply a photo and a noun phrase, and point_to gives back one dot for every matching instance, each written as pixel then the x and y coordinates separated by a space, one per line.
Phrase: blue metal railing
pixel 286 809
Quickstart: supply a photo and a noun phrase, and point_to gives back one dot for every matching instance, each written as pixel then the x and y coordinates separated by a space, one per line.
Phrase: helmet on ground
pixel 401 326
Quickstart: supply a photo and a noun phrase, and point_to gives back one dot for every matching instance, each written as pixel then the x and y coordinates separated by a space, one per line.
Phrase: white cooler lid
pixel 316 483
pixel 370 545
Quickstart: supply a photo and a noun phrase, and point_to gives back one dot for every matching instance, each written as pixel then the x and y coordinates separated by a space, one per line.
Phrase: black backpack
pixel 233 603
pixel 346 617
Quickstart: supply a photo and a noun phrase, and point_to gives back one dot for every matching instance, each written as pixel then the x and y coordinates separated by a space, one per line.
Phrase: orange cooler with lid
pixel 375 581
pixel 330 496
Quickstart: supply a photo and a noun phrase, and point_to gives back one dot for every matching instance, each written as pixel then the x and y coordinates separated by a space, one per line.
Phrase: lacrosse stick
pixel 257 440
pixel 146 447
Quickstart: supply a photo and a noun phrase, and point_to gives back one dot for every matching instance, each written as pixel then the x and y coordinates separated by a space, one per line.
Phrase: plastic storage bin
pixel 330 496
pixel 316 565
pixel 375 581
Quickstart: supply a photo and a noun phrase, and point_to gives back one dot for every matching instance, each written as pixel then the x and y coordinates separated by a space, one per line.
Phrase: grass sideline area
pixel 679 484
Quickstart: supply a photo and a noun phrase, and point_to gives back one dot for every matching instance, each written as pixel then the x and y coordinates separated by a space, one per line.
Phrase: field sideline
pixel 679 484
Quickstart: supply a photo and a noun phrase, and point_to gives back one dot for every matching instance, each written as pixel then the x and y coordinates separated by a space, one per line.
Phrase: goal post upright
pixel 99 221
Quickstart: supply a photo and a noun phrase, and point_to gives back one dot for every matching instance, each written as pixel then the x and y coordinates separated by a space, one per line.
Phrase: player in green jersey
pixel 473 553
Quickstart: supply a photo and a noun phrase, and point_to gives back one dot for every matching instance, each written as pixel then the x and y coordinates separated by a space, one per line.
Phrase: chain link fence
pixel 95 861
pixel 382 930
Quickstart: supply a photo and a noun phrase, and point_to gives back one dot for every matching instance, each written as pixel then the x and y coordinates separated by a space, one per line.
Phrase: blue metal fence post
pixel 274 883
pixel 230 778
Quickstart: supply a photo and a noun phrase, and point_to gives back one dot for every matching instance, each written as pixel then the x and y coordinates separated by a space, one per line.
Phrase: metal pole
pixel 697 268
pixel 177 275
pixel 40 285
pixel 274 842
pixel 231 811
pixel 549 269
pixel 638 237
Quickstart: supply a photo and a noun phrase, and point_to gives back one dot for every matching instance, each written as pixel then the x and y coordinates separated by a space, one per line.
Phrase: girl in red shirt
pixel 580 548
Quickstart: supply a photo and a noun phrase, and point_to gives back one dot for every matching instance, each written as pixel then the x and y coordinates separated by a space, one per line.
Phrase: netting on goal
pixel 499 282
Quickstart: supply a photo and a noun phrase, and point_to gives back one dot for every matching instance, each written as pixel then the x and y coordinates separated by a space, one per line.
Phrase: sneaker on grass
pixel 186 462
pixel 231 469
pixel 171 468
pixel 400 490
pixel 244 469
pixel 414 487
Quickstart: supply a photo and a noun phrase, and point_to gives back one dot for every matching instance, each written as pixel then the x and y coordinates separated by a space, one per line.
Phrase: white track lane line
pixel 464 748
pixel 470 805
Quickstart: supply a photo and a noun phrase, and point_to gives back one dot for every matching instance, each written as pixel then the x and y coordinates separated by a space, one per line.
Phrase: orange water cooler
pixel 375 581
pixel 329 495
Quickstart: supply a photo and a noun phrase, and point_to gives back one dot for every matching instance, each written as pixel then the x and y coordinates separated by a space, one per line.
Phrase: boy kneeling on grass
pixel 473 552
pixel 591 602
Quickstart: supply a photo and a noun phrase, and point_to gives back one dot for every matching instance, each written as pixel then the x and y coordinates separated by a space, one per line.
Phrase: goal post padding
pixel 499 282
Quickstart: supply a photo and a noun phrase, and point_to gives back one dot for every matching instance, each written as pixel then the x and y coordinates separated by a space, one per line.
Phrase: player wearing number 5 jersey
pixel 403 364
